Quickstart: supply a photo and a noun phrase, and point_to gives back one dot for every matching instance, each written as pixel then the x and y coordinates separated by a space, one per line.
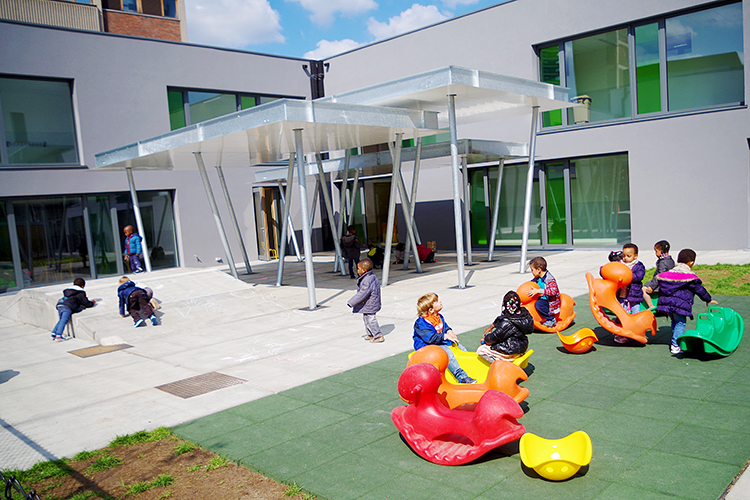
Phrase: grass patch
pixel 141 437
pixel 216 462
pixel 720 279
pixel 85 455
pixel 185 447
pixel 140 486
pixel 104 462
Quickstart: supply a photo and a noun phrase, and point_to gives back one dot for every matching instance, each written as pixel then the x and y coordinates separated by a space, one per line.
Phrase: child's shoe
pixel 59 338
pixel 621 340
pixel 139 323
pixel 550 323
pixel 368 337
pixel 378 340
pixel 154 321
pixel 467 380
pixel 675 349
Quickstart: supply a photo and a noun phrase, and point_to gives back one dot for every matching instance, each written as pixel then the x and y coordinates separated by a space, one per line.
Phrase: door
pixel 554 185
pixel 267 216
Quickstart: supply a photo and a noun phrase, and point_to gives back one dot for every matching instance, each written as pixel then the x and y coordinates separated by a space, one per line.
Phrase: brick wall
pixel 130 23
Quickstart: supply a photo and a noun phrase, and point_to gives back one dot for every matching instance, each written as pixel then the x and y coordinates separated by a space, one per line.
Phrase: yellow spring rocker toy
pixel 556 459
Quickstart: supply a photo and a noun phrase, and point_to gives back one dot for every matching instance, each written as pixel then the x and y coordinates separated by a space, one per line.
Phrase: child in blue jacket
pixel 431 329
pixel 133 249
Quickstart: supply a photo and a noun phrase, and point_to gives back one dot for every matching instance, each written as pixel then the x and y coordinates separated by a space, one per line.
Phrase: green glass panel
pixel 434 139
pixel 510 211
pixel 7 274
pixel 648 82
pixel 549 71
pixel 407 143
pixel 705 61
pixel 598 67
pixel 38 121
pixel 207 105
pixel 478 208
pixel 557 224
pixel 176 109
pixel 105 253
pixel 600 200
pixel 247 101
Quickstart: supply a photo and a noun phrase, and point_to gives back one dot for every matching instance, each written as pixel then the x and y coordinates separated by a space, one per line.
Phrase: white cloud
pixel 323 11
pixel 232 23
pixel 451 4
pixel 412 18
pixel 327 48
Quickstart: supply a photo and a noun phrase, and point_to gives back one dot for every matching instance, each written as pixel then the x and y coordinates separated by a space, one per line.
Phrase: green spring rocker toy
pixel 719 332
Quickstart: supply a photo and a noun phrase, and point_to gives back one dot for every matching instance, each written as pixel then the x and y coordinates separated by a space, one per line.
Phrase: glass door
pixel 555 191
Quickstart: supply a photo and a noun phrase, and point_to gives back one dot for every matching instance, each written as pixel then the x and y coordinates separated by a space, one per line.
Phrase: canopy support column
pixel 233 216
pixel 306 237
pixel 329 208
pixel 285 219
pixel 138 219
pixel 215 210
pixel 467 218
pixel 529 188
pixel 342 203
pixel 496 208
pixel 292 234
pixel 456 191
pixel 396 156
pixel 389 223
pixel 413 198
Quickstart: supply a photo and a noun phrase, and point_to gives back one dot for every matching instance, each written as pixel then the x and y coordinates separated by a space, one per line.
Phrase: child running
pixel 367 301
pixel 506 338
pixel 431 329
pixel 677 288
pixel 548 303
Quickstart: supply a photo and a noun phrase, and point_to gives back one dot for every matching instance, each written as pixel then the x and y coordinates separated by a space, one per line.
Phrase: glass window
pixel 478 210
pixel 37 118
pixel 600 200
pixel 510 211
pixel 170 8
pixel 176 109
pixel 206 105
pixel 705 58
pixel 549 70
pixel 597 67
pixel 106 254
pixel 158 223
pixel 7 274
pixel 130 5
pixel 647 71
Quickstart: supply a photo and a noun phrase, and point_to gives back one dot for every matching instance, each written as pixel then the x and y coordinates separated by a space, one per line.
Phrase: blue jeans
pixel 678 326
pixel 353 263
pixel 64 313
pixel 542 307
pixel 453 365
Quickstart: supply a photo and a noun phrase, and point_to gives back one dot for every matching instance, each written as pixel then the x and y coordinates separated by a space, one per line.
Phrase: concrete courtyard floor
pixel 313 401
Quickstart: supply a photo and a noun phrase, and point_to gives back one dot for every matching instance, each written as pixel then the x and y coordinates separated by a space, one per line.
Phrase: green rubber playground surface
pixel 661 426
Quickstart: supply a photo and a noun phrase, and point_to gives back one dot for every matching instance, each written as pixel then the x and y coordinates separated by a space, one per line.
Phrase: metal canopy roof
pixel 476 151
pixel 265 133
pixel 479 95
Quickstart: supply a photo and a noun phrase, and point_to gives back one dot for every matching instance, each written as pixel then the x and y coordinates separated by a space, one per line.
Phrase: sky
pixel 312 29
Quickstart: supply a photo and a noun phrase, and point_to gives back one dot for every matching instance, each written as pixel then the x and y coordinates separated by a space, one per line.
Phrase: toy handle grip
pixel 713 309
pixel 703 316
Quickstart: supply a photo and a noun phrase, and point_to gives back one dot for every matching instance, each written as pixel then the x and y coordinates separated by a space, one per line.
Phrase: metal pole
pixel 234 218
pixel 467 218
pixel 306 239
pixel 396 156
pixel 285 219
pixel 14 248
pixel 389 225
pixel 138 220
pixel 529 186
pixel 413 198
pixel 329 208
pixel 215 210
pixel 342 198
pixel 456 191
pixel 314 204
pixel 496 208
pixel 116 233
pixel 292 233
pixel 89 237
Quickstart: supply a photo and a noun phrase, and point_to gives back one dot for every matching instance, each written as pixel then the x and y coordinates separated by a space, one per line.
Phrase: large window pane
pixel 207 105
pixel 647 72
pixel 158 222
pixel 7 274
pixel 38 121
pixel 512 199
pixel 557 220
pixel 600 197
pixel 176 109
pixel 705 58
pixel 549 70
pixel 106 254
pixel 478 210
pixel 598 67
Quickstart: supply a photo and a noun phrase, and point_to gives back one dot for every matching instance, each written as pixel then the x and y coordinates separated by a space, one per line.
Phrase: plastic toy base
pixel 564 318
pixel 556 459
pixel 579 342
pixel 718 332
pixel 477 367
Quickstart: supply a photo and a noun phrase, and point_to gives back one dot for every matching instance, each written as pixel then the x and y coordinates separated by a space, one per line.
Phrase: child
pixel 136 301
pixel 74 300
pixel 399 253
pixel 676 290
pixel 506 338
pixel 367 301
pixel 631 296
pixel 350 249
pixel 376 255
pixel 149 292
pixel 133 249
pixel 431 329
pixel 663 263
pixel 548 303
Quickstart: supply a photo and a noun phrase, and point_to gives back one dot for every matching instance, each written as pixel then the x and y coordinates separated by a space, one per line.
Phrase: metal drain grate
pixel 200 384
pixel 87 352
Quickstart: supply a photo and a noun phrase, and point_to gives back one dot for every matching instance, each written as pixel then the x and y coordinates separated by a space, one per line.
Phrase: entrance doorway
pixel 268 216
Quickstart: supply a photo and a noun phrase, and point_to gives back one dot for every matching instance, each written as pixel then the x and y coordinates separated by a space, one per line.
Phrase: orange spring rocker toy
pixel 502 376
pixel 564 318
pixel 603 293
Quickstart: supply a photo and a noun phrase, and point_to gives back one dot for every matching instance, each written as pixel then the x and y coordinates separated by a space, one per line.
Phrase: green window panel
pixel 705 58
pixel 247 101
pixel 176 109
pixel 206 105
pixel 478 208
pixel 557 221
pixel 549 70
pixel 647 71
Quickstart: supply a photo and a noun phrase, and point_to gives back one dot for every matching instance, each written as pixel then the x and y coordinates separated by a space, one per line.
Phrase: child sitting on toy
pixel 506 338
pixel 631 296
pixel 548 303
pixel 677 288
pixel 663 263
pixel 431 329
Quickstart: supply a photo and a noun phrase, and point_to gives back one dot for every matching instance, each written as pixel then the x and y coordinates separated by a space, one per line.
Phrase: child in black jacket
pixel 506 338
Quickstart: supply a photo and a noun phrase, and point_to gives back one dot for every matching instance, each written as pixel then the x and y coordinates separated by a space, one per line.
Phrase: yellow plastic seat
pixel 556 459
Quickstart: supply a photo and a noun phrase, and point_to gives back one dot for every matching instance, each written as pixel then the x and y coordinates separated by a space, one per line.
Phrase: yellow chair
pixel 477 367
pixel 556 459
pixel 273 253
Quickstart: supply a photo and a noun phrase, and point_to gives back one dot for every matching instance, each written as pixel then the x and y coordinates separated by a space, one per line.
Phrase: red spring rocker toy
pixel 452 437
pixel 564 318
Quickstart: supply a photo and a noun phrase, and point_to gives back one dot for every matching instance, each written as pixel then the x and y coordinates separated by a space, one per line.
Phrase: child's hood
pixel 72 290
pixel 125 285
pixel 679 273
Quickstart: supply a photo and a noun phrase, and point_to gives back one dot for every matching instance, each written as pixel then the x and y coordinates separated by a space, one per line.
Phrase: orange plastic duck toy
pixel 502 376
pixel 452 437
pixel 564 318
pixel 603 293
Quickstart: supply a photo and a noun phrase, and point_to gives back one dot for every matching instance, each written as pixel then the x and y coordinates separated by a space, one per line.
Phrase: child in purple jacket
pixel 677 288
